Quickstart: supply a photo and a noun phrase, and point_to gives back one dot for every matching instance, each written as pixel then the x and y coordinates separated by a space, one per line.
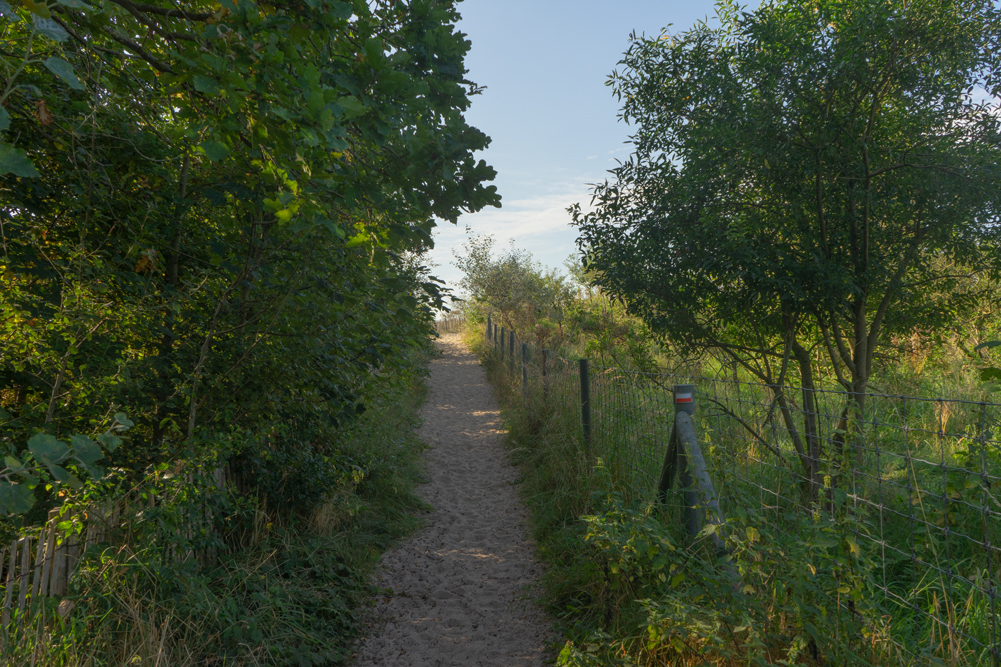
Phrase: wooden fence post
pixel 585 400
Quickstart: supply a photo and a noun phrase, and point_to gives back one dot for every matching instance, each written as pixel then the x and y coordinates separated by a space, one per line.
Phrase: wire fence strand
pixel 914 480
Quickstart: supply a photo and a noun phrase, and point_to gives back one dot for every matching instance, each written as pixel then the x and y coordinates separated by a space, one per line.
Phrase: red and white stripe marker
pixel 683 397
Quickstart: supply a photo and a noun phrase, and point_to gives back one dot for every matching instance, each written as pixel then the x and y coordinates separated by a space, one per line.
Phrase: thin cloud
pixel 539 224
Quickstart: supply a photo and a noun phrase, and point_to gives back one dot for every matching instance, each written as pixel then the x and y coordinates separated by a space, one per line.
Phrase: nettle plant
pixel 51 462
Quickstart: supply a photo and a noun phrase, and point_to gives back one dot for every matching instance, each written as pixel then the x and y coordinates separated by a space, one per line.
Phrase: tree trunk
pixel 166 346
pixel 810 422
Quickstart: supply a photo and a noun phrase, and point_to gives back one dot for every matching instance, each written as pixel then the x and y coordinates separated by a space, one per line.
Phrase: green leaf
pixel 340 10
pixel 47 449
pixel 988 345
pixel 85 450
pixel 4 119
pixel 352 107
pixel 15 161
pixel 204 84
pixel 64 71
pixel 109 442
pixel 50 29
pixel 124 423
pixel 13 464
pixel 215 150
pixel 75 4
pixel 15 498
pixel 990 374
pixel 356 240
pixel 63 476
pixel 7 12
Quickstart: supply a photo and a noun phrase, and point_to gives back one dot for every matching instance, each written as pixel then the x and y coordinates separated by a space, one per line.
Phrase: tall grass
pixel 890 564
pixel 292 592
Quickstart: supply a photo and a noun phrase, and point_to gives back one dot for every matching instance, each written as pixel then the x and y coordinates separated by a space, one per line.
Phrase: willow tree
pixel 804 176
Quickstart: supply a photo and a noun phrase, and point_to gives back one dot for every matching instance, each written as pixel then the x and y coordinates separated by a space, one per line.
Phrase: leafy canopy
pixel 808 174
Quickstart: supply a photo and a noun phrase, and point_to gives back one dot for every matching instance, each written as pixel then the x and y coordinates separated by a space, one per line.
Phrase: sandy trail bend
pixel 463 586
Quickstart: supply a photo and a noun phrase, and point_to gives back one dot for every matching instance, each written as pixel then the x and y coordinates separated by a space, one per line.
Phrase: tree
pixel 805 176
pixel 513 287
pixel 205 208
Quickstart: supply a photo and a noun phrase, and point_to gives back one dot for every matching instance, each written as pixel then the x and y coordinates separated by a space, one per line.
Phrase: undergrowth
pixel 627 586
pixel 289 594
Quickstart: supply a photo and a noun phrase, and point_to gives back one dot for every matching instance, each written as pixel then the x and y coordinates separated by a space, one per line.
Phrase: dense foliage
pixel 211 219
pixel 808 180
pixel 512 287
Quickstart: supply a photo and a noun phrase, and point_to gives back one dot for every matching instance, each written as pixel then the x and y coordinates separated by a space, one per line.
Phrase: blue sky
pixel 547 109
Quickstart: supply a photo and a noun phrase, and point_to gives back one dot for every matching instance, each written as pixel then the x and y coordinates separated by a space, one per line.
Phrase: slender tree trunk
pixel 166 346
pixel 811 429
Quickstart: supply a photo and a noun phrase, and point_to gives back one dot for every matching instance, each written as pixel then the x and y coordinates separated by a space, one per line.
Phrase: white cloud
pixel 539 224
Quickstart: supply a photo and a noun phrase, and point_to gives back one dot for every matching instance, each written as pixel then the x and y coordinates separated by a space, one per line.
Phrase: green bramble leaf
pixel 4 119
pixel 15 498
pixel 64 71
pixel 15 161
pixel 988 345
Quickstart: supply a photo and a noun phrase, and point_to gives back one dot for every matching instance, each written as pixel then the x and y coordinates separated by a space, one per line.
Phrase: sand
pixel 460 592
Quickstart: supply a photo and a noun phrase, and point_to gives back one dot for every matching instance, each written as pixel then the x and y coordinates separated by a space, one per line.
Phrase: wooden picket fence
pixel 40 563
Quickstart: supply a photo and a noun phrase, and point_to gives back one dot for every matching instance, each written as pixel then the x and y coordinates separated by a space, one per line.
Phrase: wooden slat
pixel 37 578
pixel 58 585
pixel 50 543
pixel 22 575
pixel 57 553
pixel 8 599
pixel 72 555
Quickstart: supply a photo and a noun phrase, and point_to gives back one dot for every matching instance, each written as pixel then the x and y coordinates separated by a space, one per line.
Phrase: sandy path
pixel 462 586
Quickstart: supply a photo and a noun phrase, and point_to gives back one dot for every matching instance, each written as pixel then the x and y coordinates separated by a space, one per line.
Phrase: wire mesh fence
pixel 913 482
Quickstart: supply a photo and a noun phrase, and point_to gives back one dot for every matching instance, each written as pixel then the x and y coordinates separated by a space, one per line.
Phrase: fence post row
pixel 503 332
pixel 684 456
pixel 488 327
pixel 585 400
pixel 510 360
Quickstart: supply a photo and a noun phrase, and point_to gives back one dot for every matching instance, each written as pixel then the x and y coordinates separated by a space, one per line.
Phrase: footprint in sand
pixel 462 587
